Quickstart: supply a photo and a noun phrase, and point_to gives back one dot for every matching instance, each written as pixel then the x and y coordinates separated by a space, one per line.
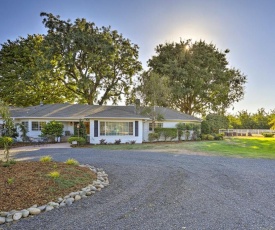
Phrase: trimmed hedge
pixel 171 133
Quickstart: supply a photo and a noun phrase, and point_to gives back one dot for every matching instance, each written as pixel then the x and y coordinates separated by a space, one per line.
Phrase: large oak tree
pixel 96 64
pixel 23 79
pixel 73 62
pixel 199 76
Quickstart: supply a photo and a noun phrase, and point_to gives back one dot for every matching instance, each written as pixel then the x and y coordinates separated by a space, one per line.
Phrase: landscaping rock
pixel 102 180
pixel 62 204
pixel 54 204
pixel 49 208
pixel 69 201
pixel 25 213
pixel 3 214
pixel 9 219
pixel 2 220
pixel 82 193
pixel 42 208
pixel 77 197
pixel 17 216
pixel 34 211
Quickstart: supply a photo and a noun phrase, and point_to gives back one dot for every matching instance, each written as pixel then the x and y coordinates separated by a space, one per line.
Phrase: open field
pixel 249 147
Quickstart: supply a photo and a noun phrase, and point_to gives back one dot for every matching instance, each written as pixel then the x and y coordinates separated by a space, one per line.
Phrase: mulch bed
pixel 27 183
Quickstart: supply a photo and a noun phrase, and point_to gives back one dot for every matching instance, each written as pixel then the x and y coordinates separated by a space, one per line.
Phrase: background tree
pixel 199 76
pixel 153 90
pixel 24 80
pixel 214 122
pixel 96 64
pixel 245 120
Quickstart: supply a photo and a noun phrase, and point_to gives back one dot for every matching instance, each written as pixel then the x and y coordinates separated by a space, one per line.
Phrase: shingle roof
pixel 78 111
pixel 171 114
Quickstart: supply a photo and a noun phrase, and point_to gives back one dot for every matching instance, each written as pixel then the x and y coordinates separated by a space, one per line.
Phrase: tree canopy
pixel 96 64
pixel 258 120
pixel 23 79
pixel 199 76
pixel 73 62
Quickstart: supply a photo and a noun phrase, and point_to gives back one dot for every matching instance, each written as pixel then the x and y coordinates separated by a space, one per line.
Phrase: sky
pixel 245 27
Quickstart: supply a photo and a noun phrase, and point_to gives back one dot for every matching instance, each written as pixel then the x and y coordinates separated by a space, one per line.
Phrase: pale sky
pixel 246 27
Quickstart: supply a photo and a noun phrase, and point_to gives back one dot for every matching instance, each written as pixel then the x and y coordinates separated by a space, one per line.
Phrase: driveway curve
pixel 150 190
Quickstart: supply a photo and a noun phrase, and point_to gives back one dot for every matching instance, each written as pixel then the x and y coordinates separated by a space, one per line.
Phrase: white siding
pixel 68 126
pixel 111 139
pixel 166 124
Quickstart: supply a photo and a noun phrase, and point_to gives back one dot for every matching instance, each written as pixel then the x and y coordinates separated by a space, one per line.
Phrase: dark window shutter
pixel 96 129
pixel 136 128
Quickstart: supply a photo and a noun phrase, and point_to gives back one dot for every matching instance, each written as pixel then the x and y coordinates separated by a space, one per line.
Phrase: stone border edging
pixel 101 182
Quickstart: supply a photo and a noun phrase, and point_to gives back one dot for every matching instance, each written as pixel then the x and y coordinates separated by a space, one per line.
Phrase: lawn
pixel 249 147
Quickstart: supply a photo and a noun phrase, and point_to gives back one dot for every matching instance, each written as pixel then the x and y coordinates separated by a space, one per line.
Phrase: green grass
pixel 249 147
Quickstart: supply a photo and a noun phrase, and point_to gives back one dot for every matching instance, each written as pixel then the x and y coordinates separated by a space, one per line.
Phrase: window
pixel 37 125
pixel 26 125
pixel 116 128
pixel 157 125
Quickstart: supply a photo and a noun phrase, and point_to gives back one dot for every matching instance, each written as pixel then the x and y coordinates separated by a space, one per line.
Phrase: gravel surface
pixel 165 191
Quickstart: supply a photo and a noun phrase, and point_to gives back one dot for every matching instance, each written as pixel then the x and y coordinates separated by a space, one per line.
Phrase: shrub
pixel 218 137
pixel 6 143
pixel 210 137
pixel 8 140
pixel 54 174
pixel 180 127
pixel 10 181
pixel 187 134
pixel 207 137
pixel 117 142
pixel 72 161
pixel 103 142
pixel 268 134
pixel 53 129
pixel 12 161
pixel 167 132
pixel 132 142
pixel 80 140
pixel 46 159
pixel 81 130
pixel 153 136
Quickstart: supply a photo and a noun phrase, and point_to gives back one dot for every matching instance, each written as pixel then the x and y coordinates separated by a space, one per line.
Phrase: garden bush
pixel 102 142
pixel 167 133
pixel 268 134
pixel 117 142
pixel 8 140
pixel 218 137
pixel 153 136
pixel 208 137
pixel 80 140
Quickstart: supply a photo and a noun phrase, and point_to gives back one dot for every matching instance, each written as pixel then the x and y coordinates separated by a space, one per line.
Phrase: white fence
pixel 244 132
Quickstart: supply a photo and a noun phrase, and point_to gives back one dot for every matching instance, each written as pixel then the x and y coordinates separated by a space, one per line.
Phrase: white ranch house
pixel 102 122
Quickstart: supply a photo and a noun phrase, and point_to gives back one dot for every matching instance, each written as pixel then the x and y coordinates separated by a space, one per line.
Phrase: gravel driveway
pixel 166 191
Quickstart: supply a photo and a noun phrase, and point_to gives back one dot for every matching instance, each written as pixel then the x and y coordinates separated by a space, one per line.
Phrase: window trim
pixel 39 125
pixel 103 132
pixel 157 125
